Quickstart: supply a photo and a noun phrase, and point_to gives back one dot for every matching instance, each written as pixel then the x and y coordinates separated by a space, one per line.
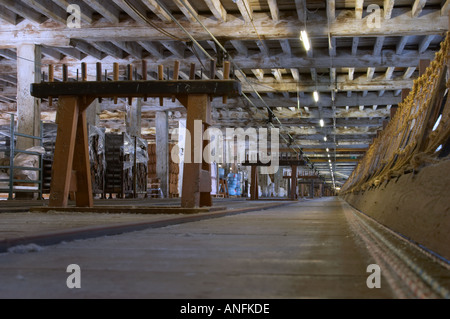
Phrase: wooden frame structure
pixel 71 170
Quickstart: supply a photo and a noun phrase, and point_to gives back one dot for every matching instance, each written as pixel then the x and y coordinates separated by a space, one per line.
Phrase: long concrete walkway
pixel 311 249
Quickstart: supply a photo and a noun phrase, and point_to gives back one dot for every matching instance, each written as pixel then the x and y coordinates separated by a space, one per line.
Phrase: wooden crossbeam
pixel 151 88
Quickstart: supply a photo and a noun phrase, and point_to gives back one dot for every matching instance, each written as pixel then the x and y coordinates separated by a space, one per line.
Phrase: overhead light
pixel 316 96
pixel 305 40
pixel 325 138
pixel 328 155
pixel 328 149
pixel 321 122
pixel 329 161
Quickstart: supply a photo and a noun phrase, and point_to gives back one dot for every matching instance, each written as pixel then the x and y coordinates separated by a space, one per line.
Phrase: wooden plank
pixel 68 111
pixel 81 162
pixel 154 88
pixel 217 9
pixel 294 182
pixel 254 195
pixel 198 108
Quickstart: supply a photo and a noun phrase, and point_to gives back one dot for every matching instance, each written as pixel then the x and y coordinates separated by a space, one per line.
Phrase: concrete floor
pixel 306 250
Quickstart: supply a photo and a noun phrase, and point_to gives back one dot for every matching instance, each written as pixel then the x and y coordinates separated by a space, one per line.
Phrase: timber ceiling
pixel 361 60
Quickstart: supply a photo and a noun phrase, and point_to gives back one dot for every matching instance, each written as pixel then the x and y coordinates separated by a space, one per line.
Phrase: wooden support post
pixel 65 76
pixel 226 75
pixel 144 74
pixel 161 77
pixel 98 76
pixel 197 173
pixel 71 152
pixel 71 143
pixel 130 78
pixel 50 79
pixel 192 72
pixel 423 65
pixel 83 71
pixel 81 164
pixel 293 182
pixel 176 71
pixel 28 108
pixel 254 183
pixel 115 76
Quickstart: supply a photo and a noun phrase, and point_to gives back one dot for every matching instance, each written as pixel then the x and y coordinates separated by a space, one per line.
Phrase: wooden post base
pixel 71 169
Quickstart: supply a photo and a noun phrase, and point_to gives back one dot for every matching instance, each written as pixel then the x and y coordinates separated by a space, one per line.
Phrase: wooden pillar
pixel 423 64
pixel 302 190
pixel 293 182
pixel 181 152
pixel 71 160
pixel 196 174
pixel 92 113
pixel 133 117
pixel 254 183
pixel 28 107
pixel 162 151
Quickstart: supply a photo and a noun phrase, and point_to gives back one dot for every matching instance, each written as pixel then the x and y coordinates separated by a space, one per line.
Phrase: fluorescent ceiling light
pixel 321 122
pixel 316 96
pixel 325 138
pixel 305 40
pixel 328 149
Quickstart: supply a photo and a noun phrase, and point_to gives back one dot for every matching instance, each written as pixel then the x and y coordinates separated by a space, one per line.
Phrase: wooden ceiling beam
pixel 401 25
pixel 49 9
pixel 105 8
pixel 217 9
pixel 23 10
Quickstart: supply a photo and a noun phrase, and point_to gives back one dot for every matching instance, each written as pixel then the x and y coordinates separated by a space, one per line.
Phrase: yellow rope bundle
pixel 408 142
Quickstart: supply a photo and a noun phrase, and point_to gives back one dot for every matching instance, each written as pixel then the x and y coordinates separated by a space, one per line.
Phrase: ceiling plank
pixel 137 15
pixel 158 10
pixel 132 48
pixel 106 9
pixel 401 25
pixel 8 16
pixel 417 7
pixel 378 46
pixel 109 49
pixel 359 7
pixel 188 10
pixel 246 10
pixel 388 7
pixel 22 10
pixel 401 44
pixel 423 45
pixel 85 11
pixel 87 49
pixel 331 10
pixel 152 48
pixel 240 47
pixel 8 54
pixel 300 5
pixel 274 11
pixel 49 9
pixel 217 9
pixel 71 52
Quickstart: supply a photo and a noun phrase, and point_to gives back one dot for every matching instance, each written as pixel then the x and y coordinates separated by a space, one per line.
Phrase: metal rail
pixel 12 152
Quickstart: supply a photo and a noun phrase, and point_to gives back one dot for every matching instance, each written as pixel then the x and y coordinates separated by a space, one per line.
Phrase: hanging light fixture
pixel 304 38
pixel 316 96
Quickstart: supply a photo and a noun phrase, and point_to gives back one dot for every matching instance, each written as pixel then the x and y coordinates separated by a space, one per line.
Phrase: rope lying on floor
pixel 416 281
